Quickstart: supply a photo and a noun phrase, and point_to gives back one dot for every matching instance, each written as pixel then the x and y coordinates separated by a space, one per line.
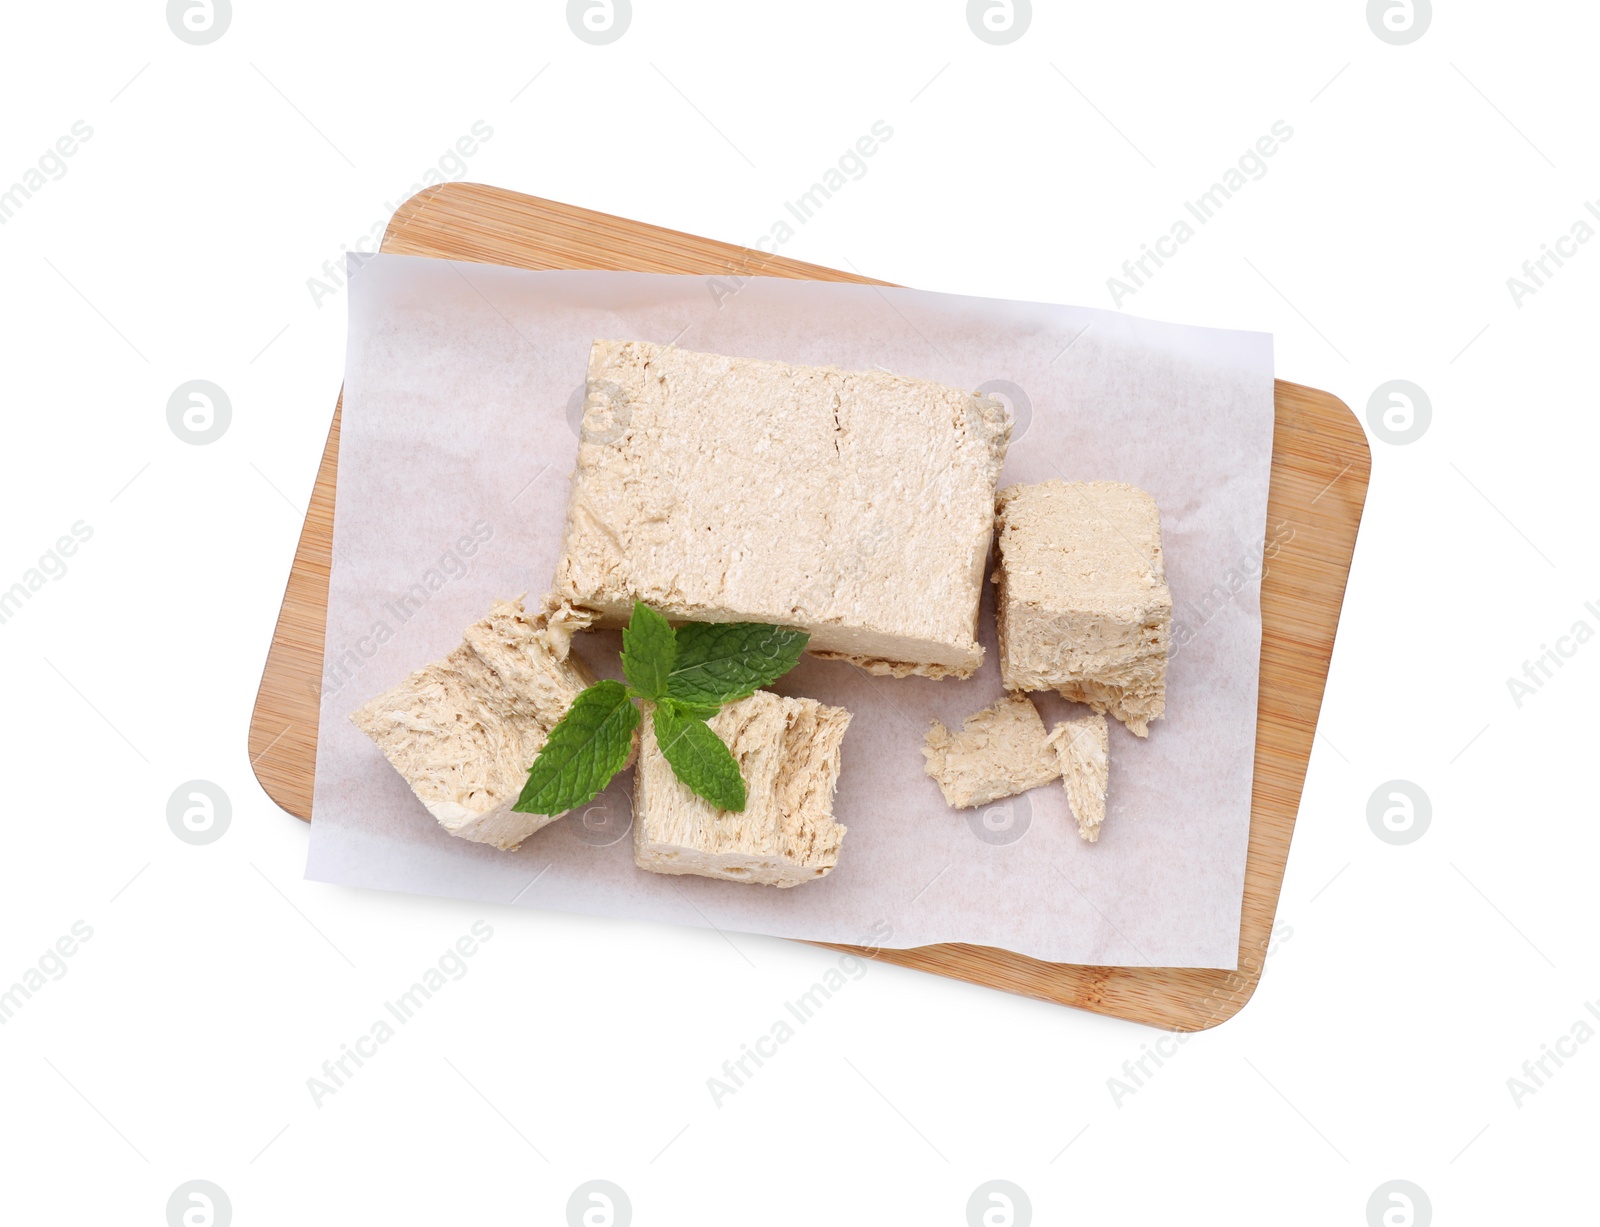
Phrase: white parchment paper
pixel 461 397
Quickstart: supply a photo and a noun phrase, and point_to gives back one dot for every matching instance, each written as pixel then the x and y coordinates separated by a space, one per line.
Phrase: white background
pixel 1409 983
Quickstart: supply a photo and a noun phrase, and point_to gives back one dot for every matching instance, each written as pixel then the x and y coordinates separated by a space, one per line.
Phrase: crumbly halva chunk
pixel 856 505
pixel 464 730
pixel 1083 606
pixel 999 752
pixel 1083 752
pixel 788 752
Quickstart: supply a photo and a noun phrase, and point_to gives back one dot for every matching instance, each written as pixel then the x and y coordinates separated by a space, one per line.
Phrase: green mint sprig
pixel 689 674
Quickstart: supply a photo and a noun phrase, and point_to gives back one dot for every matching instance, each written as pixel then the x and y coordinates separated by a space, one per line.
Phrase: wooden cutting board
pixel 1320 468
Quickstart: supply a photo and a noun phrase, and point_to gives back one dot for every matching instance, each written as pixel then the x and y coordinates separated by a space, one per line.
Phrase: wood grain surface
pixel 1320 468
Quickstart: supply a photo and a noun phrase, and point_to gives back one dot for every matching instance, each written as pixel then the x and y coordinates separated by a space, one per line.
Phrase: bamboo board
pixel 1320 468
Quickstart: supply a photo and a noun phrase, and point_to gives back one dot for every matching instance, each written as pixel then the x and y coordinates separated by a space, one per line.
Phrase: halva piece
pixel 1083 606
pixel 464 730
pixel 856 505
pixel 1083 752
pixel 999 752
pixel 788 752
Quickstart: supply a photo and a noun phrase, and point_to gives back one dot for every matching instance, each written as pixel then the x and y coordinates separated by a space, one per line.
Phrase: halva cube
pixel 1083 750
pixel 788 753
pixel 856 505
pixel 999 752
pixel 1083 606
pixel 464 730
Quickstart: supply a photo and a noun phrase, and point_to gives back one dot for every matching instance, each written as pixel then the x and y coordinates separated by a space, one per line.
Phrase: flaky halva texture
pixel 1083 753
pixel 856 505
pixel 788 753
pixel 464 730
pixel 1083 606
pixel 1000 751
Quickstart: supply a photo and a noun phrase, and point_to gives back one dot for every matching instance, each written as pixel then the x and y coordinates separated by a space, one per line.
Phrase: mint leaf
pixel 688 674
pixel 647 652
pixel 587 747
pixel 699 758
pixel 704 710
pixel 718 662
